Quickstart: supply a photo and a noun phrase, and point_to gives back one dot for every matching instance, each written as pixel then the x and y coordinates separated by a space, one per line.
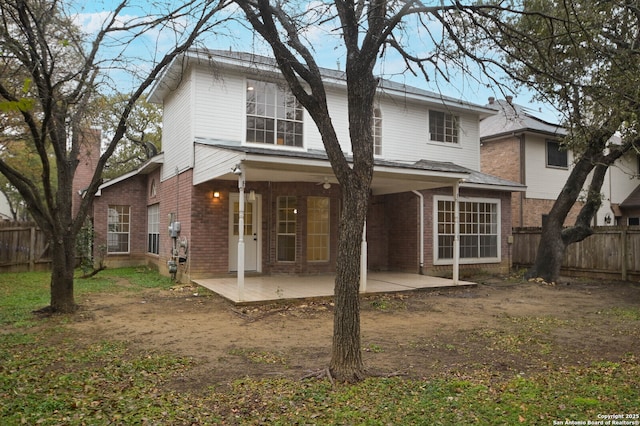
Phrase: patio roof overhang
pixel 217 161
pixel 232 161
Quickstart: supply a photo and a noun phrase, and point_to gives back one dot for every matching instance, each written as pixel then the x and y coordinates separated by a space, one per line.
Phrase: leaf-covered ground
pixel 143 350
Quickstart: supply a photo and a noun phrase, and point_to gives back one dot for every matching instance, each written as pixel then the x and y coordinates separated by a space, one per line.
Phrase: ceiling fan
pixel 325 183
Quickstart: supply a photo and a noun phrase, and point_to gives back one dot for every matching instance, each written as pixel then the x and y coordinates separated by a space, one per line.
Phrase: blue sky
pixel 474 88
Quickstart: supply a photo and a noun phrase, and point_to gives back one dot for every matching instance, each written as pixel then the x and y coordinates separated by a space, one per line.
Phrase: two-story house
pixel 239 148
pixel 519 146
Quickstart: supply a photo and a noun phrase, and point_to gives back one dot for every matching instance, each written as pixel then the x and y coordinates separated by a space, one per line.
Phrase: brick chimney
pixel 88 160
pixel 492 100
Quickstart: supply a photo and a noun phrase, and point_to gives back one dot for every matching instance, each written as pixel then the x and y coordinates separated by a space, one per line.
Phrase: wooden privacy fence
pixel 23 247
pixel 609 252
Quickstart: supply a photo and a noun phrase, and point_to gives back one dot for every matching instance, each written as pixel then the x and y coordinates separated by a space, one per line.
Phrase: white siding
pixel 220 111
pixel 211 105
pixel 337 103
pixel 177 135
pixel 219 105
pixel 404 132
pixel 405 135
pixel 542 182
pixel 5 211
pixel 624 177
pixel 212 163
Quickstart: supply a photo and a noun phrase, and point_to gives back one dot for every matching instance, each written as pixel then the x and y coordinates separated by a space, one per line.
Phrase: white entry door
pixel 252 253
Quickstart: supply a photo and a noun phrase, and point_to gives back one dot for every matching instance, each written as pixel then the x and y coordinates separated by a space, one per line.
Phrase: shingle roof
pixel 474 177
pixel 172 76
pixel 514 118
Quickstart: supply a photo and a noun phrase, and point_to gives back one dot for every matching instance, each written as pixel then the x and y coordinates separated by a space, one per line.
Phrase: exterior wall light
pixel 216 194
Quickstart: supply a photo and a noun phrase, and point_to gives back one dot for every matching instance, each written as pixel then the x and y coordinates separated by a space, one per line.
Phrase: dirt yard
pixel 500 327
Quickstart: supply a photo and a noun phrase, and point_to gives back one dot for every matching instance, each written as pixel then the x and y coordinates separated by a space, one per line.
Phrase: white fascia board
pixel 115 180
pixel 418 173
pixel 494 187
pixel 283 160
pixel 147 167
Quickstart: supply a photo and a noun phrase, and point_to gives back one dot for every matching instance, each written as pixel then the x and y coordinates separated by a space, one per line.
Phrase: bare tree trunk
pixel 346 357
pixel 62 270
pixel 63 242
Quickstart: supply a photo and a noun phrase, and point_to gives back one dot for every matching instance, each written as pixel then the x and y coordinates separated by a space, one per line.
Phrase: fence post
pixel 32 249
pixel 623 250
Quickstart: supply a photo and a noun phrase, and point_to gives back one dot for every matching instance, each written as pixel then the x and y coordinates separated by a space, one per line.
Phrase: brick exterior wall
pixel 533 210
pixel 377 235
pixel 502 158
pixel 130 192
pixel 87 163
pixel 392 226
pixel 209 243
pixel 403 226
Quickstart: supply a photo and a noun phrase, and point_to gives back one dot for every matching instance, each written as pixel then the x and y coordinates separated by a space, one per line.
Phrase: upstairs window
pixel 377 132
pixel 443 127
pixel 274 115
pixel 556 156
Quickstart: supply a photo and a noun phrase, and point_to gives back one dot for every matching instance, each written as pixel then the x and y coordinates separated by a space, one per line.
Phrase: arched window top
pixel 153 190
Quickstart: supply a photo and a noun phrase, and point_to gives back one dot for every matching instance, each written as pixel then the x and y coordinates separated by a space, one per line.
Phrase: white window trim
pixel 295 233
pixel 119 233
pixel 273 146
pixel 154 206
pixel 377 119
pixel 458 143
pixel 466 261
pixel 546 156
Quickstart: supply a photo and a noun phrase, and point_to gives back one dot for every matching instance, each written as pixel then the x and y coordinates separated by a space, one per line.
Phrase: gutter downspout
pixel 421 198
pixel 456 232
pixel 523 178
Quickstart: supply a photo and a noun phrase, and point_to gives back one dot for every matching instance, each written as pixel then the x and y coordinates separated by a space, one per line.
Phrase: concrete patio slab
pixel 283 287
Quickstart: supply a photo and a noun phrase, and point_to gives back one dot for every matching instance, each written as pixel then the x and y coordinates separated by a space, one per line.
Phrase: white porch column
pixel 456 232
pixel 241 182
pixel 363 259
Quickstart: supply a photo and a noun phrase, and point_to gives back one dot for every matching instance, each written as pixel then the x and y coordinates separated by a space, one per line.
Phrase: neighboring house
pixel 232 131
pixel 517 145
pixel 5 210
pixel 622 191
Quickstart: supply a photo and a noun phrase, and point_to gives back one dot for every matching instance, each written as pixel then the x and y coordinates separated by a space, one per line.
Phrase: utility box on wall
pixel 174 229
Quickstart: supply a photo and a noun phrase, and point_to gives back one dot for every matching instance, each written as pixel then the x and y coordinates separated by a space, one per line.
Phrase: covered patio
pixel 285 287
